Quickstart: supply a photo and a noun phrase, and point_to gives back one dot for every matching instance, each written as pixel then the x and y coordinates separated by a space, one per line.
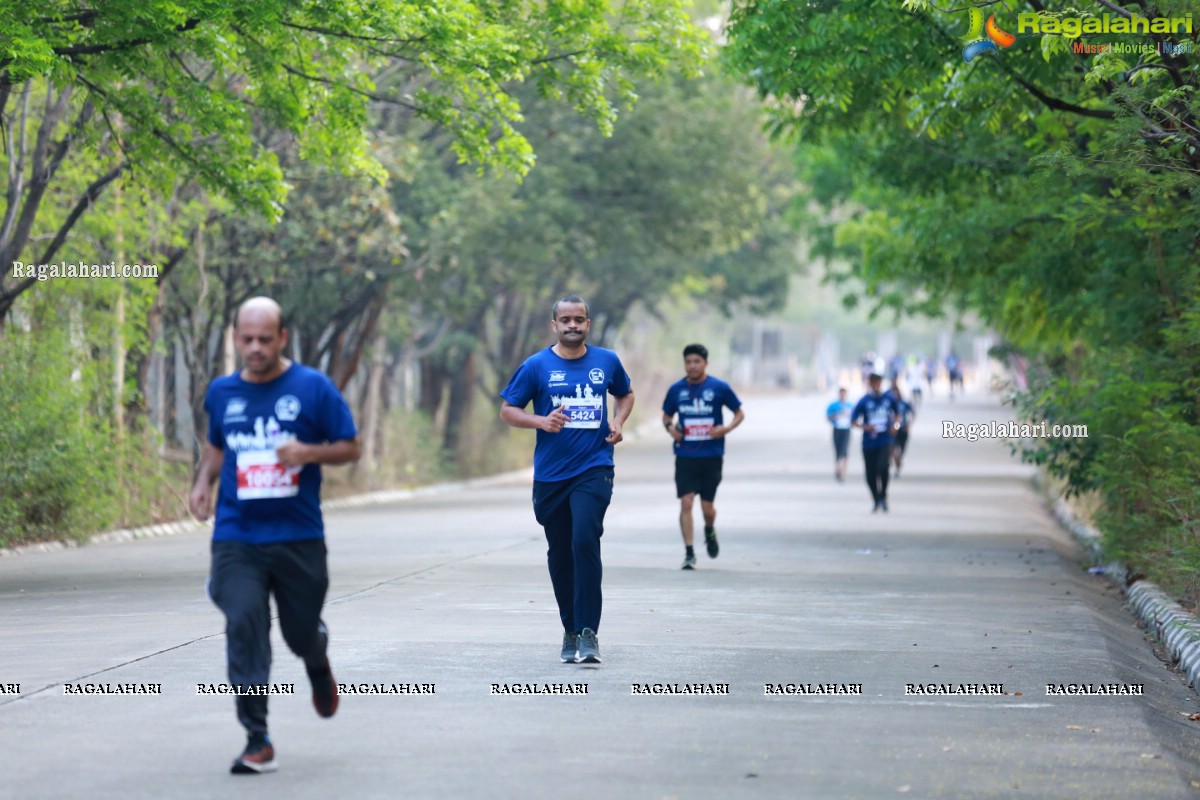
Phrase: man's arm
pixel 624 406
pixel 669 425
pixel 297 454
pixel 720 431
pixel 200 500
pixel 520 418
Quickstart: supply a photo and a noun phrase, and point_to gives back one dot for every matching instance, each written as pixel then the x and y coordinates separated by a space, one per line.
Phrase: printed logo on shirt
pixel 684 394
pixel 596 375
pixel 264 437
pixel 708 395
pixel 235 410
pixel 287 408
pixel 557 378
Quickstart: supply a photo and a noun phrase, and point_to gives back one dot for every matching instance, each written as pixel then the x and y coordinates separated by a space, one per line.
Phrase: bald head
pixel 260 311
pixel 260 337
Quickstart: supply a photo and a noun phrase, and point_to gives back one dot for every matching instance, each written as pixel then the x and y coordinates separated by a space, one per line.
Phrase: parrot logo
pixel 977 43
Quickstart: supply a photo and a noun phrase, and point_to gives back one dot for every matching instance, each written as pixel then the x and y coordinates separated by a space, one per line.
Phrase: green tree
pixel 179 90
pixel 1051 191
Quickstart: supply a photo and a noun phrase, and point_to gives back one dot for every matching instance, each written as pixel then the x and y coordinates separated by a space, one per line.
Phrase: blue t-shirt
pixel 840 411
pixel 261 501
pixel 580 386
pixel 699 407
pixel 877 410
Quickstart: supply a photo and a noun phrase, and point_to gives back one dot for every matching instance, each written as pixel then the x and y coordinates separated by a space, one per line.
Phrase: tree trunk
pixel 460 403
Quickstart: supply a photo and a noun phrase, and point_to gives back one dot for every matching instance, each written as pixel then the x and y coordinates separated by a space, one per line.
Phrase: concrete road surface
pixel 967 582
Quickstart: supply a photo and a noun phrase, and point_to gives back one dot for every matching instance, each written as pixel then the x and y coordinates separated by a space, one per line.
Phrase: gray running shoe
pixel 689 562
pixel 570 648
pixel 589 648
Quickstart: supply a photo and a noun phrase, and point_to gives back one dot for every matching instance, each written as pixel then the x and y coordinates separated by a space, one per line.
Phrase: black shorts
pixel 841 442
pixel 901 440
pixel 698 476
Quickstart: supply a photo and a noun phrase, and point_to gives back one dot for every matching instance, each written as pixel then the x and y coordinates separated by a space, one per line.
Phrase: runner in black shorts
pixel 699 436
pixel 838 414
pixel 900 440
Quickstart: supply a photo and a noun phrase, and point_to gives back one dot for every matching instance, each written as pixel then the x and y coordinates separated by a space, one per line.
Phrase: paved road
pixel 967 581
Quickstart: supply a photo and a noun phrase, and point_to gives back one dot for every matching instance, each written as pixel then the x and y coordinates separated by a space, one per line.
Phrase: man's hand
pixel 718 431
pixel 616 435
pixel 293 454
pixel 555 422
pixel 200 501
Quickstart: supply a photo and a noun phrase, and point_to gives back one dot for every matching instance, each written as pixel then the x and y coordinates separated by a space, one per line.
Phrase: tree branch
pixel 85 200
pixel 96 49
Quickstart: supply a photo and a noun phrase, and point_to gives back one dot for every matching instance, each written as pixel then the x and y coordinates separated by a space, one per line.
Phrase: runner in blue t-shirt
pixel 876 414
pixel 838 414
pixel 907 414
pixel 270 427
pixel 568 384
pixel 699 400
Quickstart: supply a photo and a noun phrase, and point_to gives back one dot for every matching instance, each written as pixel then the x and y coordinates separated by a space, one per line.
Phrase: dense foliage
pixel 1052 192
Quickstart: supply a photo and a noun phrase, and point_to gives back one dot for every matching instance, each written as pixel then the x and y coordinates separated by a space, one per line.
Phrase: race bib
pixel 260 475
pixel 880 418
pixel 698 429
pixel 581 413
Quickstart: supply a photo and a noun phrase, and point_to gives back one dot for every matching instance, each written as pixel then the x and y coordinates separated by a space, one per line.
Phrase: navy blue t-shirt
pixel 580 386
pixel 261 501
pixel 699 406
pixel 877 410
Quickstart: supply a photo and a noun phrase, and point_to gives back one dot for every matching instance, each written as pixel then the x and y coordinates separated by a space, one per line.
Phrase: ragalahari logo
pixel 977 43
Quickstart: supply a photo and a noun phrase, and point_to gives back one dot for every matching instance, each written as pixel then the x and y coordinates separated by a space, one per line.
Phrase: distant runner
pixel 699 437
pixel 270 426
pixel 838 414
pixel 876 414
pixel 907 414
pixel 568 385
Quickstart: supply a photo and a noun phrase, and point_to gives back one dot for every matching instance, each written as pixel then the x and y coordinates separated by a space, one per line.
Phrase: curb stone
pixel 192 526
pixel 1169 621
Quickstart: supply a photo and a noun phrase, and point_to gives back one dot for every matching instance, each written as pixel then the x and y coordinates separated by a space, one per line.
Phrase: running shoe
pixel 689 562
pixel 258 757
pixel 570 648
pixel 589 648
pixel 324 690
pixel 710 542
pixel 883 504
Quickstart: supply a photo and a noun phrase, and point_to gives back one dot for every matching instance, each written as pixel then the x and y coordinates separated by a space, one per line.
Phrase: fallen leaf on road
pixel 904 788
pixel 1149 755
pixel 1075 728
pixel 947 748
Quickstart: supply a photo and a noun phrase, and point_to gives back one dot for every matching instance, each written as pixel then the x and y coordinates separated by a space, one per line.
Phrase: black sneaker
pixel 258 757
pixel 883 504
pixel 589 648
pixel 570 648
pixel 324 690
pixel 689 562
pixel 710 542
